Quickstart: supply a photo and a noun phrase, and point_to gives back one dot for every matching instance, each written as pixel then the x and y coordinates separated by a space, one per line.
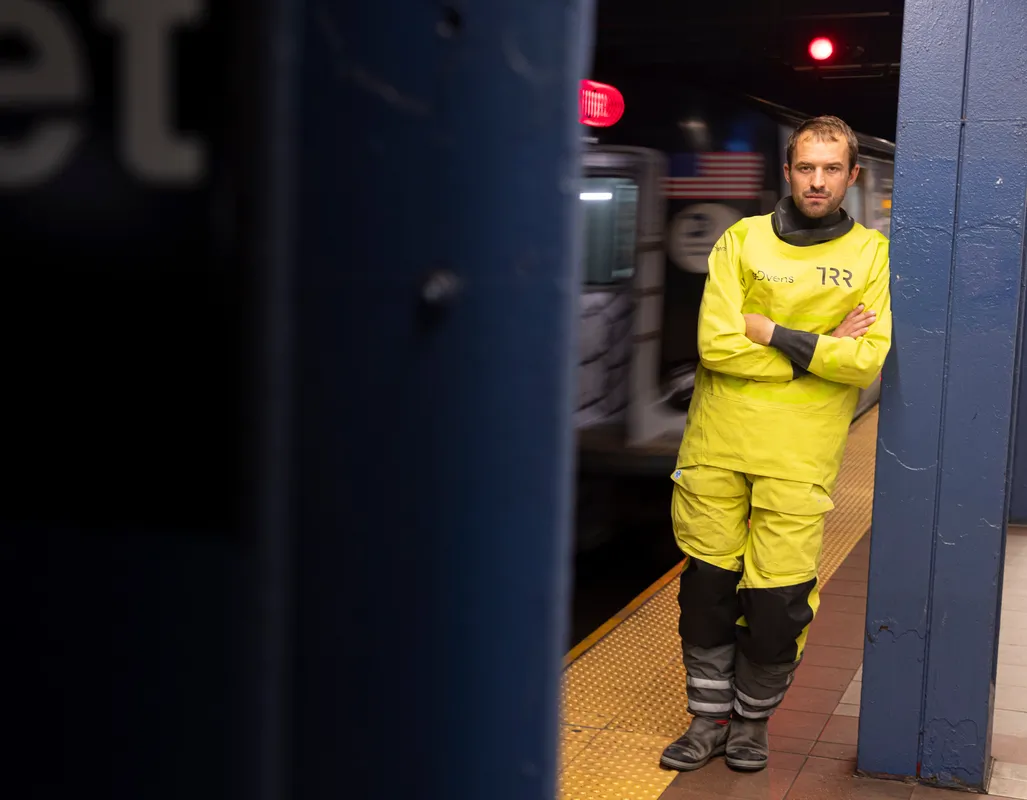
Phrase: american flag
pixel 714 176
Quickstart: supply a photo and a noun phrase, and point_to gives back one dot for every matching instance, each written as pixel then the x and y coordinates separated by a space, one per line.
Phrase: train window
pixel 854 201
pixel 610 211
pixel 877 178
pixel 882 199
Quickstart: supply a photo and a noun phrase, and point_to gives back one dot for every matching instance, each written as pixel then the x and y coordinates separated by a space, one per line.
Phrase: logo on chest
pixel 832 276
pixel 771 277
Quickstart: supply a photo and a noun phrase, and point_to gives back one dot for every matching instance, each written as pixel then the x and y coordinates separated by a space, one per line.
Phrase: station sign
pixel 121 173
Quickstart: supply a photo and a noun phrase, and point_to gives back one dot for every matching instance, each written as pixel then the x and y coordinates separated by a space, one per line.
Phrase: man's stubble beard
pixel 833 204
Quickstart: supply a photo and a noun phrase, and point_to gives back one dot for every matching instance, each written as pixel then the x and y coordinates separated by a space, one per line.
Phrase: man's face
pixel 819 175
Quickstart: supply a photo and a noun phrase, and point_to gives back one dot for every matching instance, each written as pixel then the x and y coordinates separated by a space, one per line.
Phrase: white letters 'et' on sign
pixel 55 88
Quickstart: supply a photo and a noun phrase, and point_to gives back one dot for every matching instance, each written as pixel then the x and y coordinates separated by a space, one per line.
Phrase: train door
pixel 880 177
pixel 856 196
pixel 868 201
pixel 875 181
pixel 622 279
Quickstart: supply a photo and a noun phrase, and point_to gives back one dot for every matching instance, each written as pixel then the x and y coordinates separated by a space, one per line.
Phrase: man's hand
pixel 855 324
pixel 758 328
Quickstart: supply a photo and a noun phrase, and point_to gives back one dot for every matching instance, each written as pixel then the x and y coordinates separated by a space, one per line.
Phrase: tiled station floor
pixel 624 691
pixel 813 736
pixel 1009 728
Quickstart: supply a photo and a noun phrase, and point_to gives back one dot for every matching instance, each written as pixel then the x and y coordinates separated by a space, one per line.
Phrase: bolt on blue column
pixel 947 408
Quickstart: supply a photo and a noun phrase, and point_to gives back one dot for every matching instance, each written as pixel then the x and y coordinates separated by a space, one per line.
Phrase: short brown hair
pixel 829 129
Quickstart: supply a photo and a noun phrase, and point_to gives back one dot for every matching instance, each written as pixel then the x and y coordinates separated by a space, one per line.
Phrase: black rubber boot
pixel 705 739
pixel 748 746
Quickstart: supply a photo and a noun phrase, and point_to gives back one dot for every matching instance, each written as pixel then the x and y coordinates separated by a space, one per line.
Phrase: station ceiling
pixel 760 47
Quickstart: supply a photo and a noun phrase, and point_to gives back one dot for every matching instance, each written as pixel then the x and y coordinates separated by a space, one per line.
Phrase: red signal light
pixel 599 105
pixel 821 48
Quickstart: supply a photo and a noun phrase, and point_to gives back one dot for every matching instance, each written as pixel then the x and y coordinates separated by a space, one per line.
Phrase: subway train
pixel 666 170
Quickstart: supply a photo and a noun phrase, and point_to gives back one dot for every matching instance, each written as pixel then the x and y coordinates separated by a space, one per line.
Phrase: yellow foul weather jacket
pixel 753 409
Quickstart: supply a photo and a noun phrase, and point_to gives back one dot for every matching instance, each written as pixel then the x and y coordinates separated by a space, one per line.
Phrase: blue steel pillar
pixel 947 407
pixel 437 290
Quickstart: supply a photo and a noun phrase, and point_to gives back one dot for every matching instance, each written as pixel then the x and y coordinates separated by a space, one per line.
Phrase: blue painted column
pixel 947 408
pixel 437 291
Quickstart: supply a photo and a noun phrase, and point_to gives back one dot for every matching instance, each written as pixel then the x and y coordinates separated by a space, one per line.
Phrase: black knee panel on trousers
pixel 709 604
pixel 775 618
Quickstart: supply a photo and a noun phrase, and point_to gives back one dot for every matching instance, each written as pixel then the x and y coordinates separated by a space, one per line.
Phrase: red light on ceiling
pixel 821 48
pixel 599 105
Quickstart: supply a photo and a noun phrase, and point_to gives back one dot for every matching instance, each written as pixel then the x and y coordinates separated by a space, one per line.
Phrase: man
pixel 795 319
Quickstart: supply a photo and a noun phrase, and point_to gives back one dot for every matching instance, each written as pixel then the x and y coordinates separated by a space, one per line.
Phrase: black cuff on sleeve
pixel 799 346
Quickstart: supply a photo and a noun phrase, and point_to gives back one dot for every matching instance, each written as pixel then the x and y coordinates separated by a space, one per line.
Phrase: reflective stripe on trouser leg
pixel 710 510
pixel 710 684
pixel 778 593
pixel 709 610
pixel 760 688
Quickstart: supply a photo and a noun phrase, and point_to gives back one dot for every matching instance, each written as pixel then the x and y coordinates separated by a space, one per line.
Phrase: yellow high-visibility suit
pixel 766 431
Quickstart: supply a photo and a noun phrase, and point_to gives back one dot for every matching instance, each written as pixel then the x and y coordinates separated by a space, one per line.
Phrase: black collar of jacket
pixel 794 227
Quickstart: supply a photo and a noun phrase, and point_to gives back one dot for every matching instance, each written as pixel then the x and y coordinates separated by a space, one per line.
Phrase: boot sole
pixel 745 765
pixel 690 766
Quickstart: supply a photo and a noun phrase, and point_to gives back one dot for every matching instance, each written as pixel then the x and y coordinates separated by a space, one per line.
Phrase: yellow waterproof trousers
pixel 755 582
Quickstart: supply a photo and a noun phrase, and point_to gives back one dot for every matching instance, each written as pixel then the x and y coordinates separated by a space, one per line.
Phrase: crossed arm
pixel 752 346
pixel 799 346
pixel 723 344
pixel 854 352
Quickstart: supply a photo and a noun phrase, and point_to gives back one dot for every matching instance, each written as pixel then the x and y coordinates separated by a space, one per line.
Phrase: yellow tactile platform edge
pixel 624 687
